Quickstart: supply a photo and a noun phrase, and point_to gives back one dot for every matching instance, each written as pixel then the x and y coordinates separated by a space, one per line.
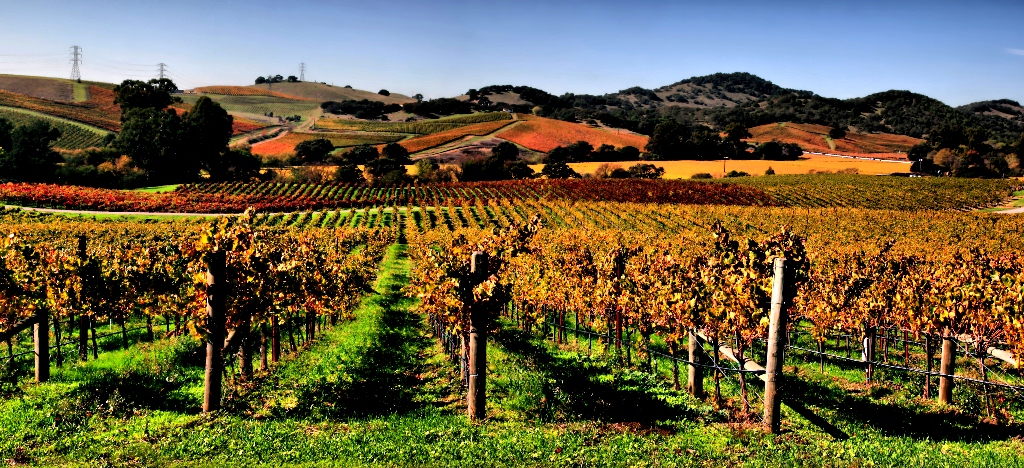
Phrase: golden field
pixel 806 164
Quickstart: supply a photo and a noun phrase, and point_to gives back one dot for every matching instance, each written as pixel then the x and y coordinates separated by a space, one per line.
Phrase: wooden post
pixel 947 366
pixel 695 377
pixel 869 354
pixel 476 399
pixel 620 266
pixel 275 339
pixel 216 289
pixel 928 365
pixel 83 319
pixel 42 342
pixel 774 384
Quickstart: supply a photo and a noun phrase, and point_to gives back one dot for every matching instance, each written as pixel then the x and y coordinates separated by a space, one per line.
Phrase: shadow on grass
pixel 573 388
pixel 889 419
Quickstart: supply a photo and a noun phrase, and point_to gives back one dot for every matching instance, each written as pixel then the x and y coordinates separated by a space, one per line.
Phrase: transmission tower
pixel 76 59
pixel 163 70
pixel 302 71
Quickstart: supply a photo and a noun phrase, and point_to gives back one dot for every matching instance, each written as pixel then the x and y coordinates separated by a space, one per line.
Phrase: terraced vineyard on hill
pixel 73 135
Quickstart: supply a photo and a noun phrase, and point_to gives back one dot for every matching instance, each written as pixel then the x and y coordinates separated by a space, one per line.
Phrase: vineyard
pixel 575 322
pixel 258 104
pixel 615 322
pixel 73 135
pixel 243 91
pixel 285 145
pixel 815 138
pixel 99 111
pixel 793 191
pixel 421 127
pixel 543 135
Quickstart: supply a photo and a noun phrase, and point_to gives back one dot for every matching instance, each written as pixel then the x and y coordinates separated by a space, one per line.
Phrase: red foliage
pixel 279 197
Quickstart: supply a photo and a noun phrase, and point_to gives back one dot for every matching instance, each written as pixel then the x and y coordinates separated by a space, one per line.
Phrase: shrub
pixel 701 175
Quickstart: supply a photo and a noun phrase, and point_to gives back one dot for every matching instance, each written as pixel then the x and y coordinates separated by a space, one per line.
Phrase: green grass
pixel 158 188
pixel 81 91
pixel 377 391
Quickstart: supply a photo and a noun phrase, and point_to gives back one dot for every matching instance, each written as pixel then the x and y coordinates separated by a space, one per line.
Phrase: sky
pixel 957 52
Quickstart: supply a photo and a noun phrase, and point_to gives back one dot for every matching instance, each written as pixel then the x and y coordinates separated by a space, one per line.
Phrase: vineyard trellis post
pixel 42 345
pixel 620 267
pixel 216 289
pixel 947 367
pixel 476 397
pixel 774 383
pixel 83 318
pixel 695 377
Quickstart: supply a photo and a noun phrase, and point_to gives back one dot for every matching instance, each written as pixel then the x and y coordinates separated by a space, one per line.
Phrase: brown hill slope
pixel 323 92
pixel 814 138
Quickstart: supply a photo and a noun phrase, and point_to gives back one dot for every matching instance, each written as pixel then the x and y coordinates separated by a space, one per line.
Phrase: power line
pixel 163 69
pixel 302 71
pixel 76 58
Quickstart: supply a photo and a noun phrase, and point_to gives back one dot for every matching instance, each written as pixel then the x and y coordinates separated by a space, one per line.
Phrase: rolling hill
pixel 814 138
pixel 321 92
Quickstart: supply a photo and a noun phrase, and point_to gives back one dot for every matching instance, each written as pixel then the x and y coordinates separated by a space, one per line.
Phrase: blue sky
pixel 957 53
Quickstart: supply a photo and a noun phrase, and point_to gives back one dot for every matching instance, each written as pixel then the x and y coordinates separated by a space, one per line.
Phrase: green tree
pixel 361 154
pixel 837 132
pixel 6 128
pixel 209 130
pixel 397 153
pixel 519 170
pixel 157 142
pixel 154 94
pixel 646 171
pixel 314 151
pixel 384 92
pixel 241 165
pixel 670 140
pixel 735 131
pixel 559 170
pixel 348 173
pixel 505 151
pixel 31 159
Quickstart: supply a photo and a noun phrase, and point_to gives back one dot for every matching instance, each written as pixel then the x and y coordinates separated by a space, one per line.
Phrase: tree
pixel 418 97
pixel 260 80
pixel 670 140
pixel 735 131
pixel 396 152
pixel 348 173
pixel 209 130
pixel 31 159
pixel 241 165
pixel 555 165
pixel 519 170
pixel 489 168
pixel 6 127
pixel 576 152
pixel 426 170
pixel 314 151
pixel 646 171
pixel 559 170
pixel 505 151
pixel 154 94
pixel 837 132
pixel 361 154
pixel 157 141
pixel 293 79
pixel 384 92
pixel 776 151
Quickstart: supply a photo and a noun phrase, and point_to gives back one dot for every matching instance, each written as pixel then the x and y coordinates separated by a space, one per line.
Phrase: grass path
pixel 372 366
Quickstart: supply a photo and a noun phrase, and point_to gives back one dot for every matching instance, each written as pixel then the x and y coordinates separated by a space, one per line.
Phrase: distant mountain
pixel 722 98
